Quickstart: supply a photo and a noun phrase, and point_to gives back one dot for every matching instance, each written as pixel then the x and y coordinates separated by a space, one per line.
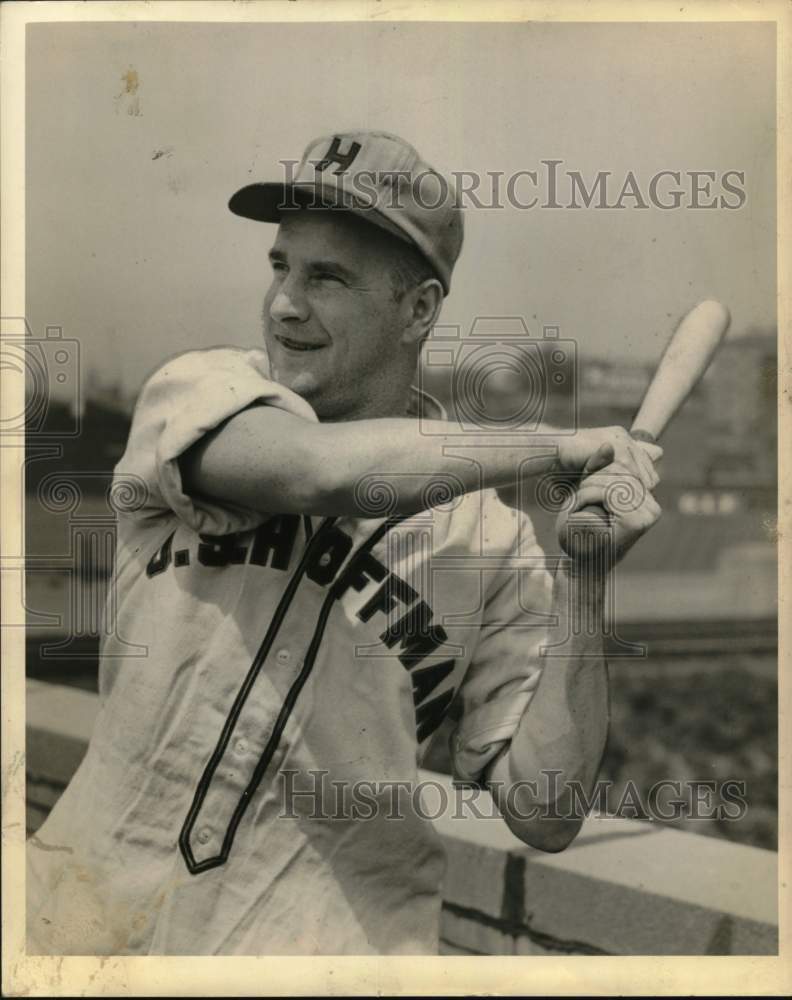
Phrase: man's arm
pixel 266 459
pixel 562 734
pixel 561 737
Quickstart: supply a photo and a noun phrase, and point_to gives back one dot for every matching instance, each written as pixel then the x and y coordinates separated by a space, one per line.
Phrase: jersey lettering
pixel 359 573
pixel 275 537
pixel 161 559
pixel 425 680
pixel 429 716
pixel 221 550
pixel 326 560
pixel 416 633
pixel 273 544
pixel 393 591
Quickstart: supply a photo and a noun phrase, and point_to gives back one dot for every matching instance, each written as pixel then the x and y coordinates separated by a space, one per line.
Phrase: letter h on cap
pixel 334 155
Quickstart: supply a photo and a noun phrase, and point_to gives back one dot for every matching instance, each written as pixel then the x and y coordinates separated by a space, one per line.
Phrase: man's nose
pixel 289 301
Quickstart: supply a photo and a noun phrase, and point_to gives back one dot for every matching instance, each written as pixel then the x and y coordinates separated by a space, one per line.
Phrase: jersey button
pixel 205 835
pixel 283 656
pixel 240 747
pixel 324 559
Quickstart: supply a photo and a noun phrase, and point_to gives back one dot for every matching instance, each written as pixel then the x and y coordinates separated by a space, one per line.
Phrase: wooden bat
pixel 687 356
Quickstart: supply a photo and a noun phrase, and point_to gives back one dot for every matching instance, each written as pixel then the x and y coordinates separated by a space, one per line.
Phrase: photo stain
pixel 131 81
pixel 129 97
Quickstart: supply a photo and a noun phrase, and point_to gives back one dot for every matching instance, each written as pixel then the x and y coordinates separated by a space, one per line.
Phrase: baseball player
pixel 319 565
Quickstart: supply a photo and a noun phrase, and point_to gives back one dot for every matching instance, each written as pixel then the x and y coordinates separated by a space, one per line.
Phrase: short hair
pixel 410 268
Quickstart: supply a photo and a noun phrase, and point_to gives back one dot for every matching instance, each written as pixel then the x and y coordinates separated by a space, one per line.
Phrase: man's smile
pixel 297 345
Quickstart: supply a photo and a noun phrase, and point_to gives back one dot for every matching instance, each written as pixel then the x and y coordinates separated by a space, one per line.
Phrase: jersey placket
pixel 207 844
pixel 228 781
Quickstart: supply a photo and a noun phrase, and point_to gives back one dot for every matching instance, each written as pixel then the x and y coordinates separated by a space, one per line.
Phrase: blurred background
pixel 137 134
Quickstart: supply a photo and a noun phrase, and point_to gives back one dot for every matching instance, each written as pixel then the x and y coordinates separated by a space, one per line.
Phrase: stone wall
pixel 623 887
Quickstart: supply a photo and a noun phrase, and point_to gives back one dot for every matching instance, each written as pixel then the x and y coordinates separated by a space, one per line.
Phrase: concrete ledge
pixel 623 887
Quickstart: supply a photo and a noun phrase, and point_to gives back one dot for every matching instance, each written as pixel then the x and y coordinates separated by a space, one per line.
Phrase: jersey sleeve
pixel 506 665
pixel 188 397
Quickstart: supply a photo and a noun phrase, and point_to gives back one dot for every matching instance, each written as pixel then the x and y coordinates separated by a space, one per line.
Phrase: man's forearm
pixel 266 459
pixel 561 737
pixel 409 456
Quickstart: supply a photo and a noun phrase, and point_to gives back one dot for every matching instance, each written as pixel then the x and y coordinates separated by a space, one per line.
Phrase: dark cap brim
pixel 270 201
pixel 262 202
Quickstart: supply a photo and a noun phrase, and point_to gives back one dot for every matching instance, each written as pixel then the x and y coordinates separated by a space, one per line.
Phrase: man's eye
pixel 328 276
pixel 278 265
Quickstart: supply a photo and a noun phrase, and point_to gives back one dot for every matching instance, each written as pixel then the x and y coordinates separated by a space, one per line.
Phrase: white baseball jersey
pixel 240 794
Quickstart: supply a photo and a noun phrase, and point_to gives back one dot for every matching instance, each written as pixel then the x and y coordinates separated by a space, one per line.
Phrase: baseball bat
pixel 685 360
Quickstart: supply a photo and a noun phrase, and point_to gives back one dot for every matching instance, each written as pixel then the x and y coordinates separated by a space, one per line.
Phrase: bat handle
pixel 640 435
pixel 587 532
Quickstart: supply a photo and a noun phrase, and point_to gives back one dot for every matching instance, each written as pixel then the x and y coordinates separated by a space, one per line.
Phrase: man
pixel 316 577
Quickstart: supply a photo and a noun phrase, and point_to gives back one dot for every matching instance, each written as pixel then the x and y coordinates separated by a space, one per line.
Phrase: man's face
pixel 331 322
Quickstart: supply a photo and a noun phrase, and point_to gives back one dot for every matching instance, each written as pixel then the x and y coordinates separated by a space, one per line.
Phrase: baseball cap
pixel 372 174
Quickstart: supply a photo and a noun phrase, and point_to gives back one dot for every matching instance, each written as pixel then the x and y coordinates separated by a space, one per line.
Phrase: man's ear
pixel 424 303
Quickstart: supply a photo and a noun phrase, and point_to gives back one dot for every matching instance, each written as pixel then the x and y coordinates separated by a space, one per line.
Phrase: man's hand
pixel 593 449
pixel 626 496
pixel 577 453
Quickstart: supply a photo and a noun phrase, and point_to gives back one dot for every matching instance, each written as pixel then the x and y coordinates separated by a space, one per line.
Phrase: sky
pixel 137 135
